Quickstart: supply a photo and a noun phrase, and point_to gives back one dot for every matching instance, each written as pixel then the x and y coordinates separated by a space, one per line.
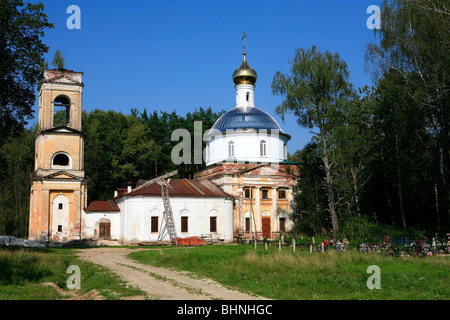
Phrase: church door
pixel 105 230
pixel 266 232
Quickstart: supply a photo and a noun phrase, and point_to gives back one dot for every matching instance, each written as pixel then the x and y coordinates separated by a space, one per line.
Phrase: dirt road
pixel 160 283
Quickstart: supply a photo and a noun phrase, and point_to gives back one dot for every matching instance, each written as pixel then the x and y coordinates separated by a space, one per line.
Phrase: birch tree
pixel 314 92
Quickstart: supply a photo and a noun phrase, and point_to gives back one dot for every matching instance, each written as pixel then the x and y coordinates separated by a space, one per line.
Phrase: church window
pixel 247 96
pixel 265 194
pixel 213 224
pixel 61 107
pixel 247 193
pixel 60 206
pixel 282 224
pixel 61 159
pixel 285 151
pixel 184 224
pixel 262 148
pixel 281 194
pixel 230 149
pixel 154 226
pixel 247 224
pixel 59 228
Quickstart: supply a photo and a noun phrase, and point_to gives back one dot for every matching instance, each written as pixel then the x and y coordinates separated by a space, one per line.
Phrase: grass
pixel 302 275
pixel 277 275
pixel 23 270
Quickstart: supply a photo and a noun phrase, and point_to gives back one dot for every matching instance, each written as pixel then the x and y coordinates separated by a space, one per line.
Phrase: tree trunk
pixel 438 224
pixel 399 185
pixel 355 189
pixel 330 191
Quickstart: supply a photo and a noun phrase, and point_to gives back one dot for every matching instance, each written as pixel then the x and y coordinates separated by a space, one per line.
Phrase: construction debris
pixel 13 241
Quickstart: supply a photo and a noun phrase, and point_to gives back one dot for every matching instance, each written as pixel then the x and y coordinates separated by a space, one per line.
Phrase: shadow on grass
pixel 20 265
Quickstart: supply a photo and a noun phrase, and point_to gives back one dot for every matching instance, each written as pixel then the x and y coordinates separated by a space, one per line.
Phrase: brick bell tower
pixel 58 191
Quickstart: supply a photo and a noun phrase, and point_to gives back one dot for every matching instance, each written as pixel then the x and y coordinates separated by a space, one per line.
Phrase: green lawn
pixel 23 270
pixel 303 275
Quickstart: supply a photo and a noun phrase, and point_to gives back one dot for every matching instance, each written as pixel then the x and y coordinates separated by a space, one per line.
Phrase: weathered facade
pixel 58 192
pixel 263 196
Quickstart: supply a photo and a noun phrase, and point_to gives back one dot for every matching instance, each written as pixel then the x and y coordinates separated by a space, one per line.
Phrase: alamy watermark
pixel 74 20
pixel 374 281
pixel 374 20
pixel 182 152
pixel 74 281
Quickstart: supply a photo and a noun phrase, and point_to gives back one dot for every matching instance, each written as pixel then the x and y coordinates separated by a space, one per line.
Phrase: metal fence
pixel 396 247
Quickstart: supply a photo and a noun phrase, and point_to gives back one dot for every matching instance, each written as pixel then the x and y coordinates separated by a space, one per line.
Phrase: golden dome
pixel 245 73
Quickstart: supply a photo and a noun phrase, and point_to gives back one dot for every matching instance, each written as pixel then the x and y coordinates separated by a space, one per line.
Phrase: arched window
pixel 61 161
pixel 262 148
pixel 230 149
pixel 61 109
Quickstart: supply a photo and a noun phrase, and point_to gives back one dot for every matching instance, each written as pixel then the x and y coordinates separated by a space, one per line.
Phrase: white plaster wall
pixel 247 146
pixel 136 213
pixel 91 220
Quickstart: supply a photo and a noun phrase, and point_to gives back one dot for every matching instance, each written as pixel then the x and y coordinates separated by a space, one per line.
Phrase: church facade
pixel 245 190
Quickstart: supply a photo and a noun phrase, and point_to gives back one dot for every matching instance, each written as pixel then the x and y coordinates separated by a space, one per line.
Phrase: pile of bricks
pixel 192 241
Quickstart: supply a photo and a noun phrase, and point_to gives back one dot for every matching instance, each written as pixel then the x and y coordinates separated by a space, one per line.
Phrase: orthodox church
pixel 245 190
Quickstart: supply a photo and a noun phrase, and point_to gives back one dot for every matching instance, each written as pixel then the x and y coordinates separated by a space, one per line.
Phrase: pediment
pixel 62 129
pixel 65 80
pixel 267 169
pixel 62 175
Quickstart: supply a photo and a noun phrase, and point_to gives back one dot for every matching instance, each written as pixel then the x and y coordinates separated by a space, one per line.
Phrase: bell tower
pixel 58 191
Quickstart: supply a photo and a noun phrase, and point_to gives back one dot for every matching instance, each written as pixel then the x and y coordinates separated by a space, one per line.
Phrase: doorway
pixel 104 231
pixel 266 230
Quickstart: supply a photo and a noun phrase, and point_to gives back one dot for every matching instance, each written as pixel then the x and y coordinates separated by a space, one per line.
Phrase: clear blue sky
pixel 180 54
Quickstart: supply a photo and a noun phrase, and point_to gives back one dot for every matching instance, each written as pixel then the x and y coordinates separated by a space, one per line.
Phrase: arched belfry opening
pixel 61 161
pixel 61 111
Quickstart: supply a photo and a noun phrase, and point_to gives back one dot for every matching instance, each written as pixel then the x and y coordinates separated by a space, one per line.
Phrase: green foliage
pixel 315 91
pixel 309 212
pixel 21 56
pixel 388 146
pixel 17 158
pixel 413 44
pixel 58 60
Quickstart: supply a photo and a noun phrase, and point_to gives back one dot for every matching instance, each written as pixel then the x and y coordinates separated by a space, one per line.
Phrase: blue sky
pixel 179 55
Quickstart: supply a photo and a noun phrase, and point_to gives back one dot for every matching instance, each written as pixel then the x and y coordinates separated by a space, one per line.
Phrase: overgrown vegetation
pixel 379 159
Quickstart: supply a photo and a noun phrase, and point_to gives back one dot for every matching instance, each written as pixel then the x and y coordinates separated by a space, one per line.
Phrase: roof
pixel 108 205
pixel 246 118
pixel 182 188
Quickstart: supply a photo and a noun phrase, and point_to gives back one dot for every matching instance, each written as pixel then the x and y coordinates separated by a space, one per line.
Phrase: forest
pixel 378 162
